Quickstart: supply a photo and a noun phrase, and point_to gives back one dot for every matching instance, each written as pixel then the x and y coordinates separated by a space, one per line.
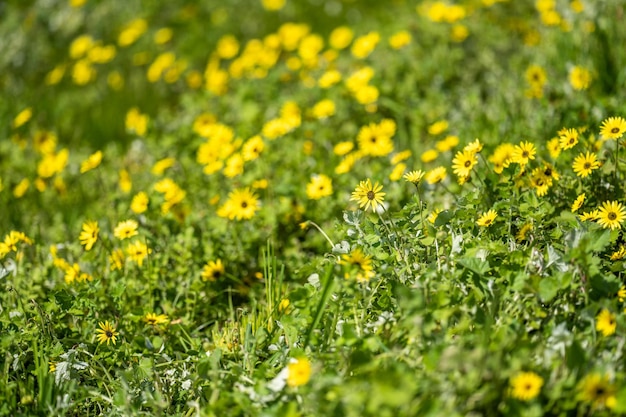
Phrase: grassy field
pixel 312 208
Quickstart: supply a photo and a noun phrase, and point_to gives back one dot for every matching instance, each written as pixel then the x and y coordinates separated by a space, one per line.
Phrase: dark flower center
pixel 612 215
pixel 244 204
pixel 587 165
pixel 615 130
pixel 108 334
pixel 525 154
pixel 371 195
pixel 467 164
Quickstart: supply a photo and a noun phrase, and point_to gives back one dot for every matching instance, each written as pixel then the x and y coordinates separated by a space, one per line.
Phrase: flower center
pixel 244 204
pixel 612 215
pixel 615 130
pixel 525 154
pixel 108 334
pixel 467 164
pixel 371 195
pixel 587 165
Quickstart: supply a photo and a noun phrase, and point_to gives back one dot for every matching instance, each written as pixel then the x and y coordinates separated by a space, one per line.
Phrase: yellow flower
pixel 89 234
pixel 242 204
pixel 323 109
pixel 161 165
pixel 584 164
pixel 580 78
pixel 400 39
pixel 613 128
pixel 212 271
pixel 131 32
pixel 106 333
pixel 568 138
pixel 154 319
pixel 438 127
pixel 21 188
pixel 341 37
pixel 320 186
pixel 611 215
pixel 299 372
pixel 92 162
pixel 606 323
pixel 137 251
pixel 487 218
pixel 139 204
pixel 578 203
pixel 523 153
pixel 368 195
pixel 125 229
pixel 526 385
pixel 273 5
pixel 364 45
pixel 597 390
pixel 463 163
pixel 437 175
pixel 22 117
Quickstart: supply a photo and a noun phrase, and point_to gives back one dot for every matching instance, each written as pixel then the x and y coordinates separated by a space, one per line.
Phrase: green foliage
pixel 227 209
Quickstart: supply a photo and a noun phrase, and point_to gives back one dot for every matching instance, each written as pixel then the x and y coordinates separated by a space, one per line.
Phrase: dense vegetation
pixel 284 208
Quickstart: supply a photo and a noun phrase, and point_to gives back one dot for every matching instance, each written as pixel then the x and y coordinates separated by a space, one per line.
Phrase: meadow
pixel 312 208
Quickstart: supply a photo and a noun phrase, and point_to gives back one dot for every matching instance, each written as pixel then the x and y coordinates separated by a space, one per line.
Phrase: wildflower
pixel 584 164
pixel 161 165
pixel 605 322
pixel 136 122
pixel 580 78
pixel 21 188
pixel 241 204
pixel 137 251
pixel 22 117
pixel 432 217
pixel 320 186
pixel 616 256
pixel 435 176
pixel 523 153
pixel 429 156
pixel 323 109
pixel 227 47
pixel 589 215
pixel 487 218
pixel 597 390
pixel 139 203
pixel 521 234
pixel 613 128
pixel 273 5
pixel 252 148
pixel 154 319
pixel 463 163
pixel 116 259
pixel 414 176
pixel 299 372
pixel 578 202
pixel 364 45
pixel 106 333
pixel 611 215
pixel 125 229
pixel 329 78
pixel 341 37
pixel 568 138
pixel 212 271
pixel 89 234
pixel 44 142
pixel 365 270
pixel 554 148
pixel 535 75
pixel 501 157
pixel 368 196
pixel 621 294
pixel 131 32
pixel 474 147
pixel 125 183
pixel 92 162
pixel 526 385
pixel 401 156
pixel 438 127
pixel 400 39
